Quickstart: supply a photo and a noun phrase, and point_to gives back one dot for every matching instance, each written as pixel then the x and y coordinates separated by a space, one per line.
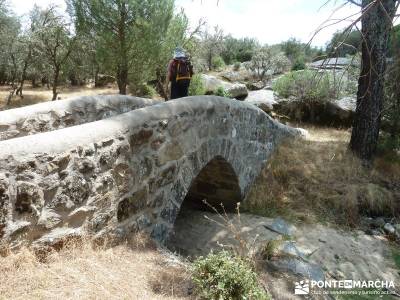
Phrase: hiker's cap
pixel 179 52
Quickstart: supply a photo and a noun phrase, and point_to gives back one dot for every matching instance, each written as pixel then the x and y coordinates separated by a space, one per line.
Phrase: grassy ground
pixel 318 180
pixel 135 270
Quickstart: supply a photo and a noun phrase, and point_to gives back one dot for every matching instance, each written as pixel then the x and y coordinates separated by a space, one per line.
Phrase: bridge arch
pixel 132 171
pixel 217 183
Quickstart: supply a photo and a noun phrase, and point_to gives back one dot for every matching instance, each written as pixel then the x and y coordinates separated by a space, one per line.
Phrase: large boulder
pixel 342 110
pixel 212 83
pixel 299 267
pixel 237 90
pixel 347 103
pixel 259 85
pixel 241 75
pixel 334 112
pixel 263 99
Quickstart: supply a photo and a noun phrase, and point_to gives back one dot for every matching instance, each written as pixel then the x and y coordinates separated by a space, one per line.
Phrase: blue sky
pixel 270 21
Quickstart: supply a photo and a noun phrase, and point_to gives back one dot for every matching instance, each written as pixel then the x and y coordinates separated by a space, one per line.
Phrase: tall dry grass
pixel 319 180
pixel 81 270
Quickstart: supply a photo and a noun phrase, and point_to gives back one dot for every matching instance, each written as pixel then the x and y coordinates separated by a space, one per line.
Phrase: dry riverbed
pixel 319 250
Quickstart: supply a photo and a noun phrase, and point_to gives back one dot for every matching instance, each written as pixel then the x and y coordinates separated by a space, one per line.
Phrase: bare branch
pixel 355 2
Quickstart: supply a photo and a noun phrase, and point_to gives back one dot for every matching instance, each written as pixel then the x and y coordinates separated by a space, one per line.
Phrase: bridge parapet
pixel 49 116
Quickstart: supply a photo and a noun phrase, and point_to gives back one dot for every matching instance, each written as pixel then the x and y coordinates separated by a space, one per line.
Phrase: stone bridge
pixel 113 165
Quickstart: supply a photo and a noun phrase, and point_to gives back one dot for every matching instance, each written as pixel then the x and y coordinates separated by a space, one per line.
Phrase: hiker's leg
pixel 184 88
pixel 174 90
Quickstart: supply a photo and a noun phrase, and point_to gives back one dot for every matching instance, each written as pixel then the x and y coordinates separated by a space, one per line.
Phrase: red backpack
pixel 181 69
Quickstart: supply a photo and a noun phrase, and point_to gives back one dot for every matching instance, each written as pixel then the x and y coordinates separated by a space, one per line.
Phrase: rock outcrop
pixel 235 90
pixel 241 75
pixel 263 99
pixel 332 113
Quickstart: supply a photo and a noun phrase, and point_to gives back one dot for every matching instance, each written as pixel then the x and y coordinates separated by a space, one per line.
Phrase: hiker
pixel 180 71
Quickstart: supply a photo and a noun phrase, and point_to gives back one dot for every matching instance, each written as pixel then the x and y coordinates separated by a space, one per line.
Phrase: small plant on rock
pixel 226 276
pixel 271 249
pixel 220 91
pixel 230 273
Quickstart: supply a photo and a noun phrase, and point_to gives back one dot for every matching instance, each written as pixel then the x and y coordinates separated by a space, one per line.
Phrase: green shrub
pixel 389 143
pixel 196 87
pixel 396 257
pixel 299 64
pixel 236 66
pixel 238 49
pixel 217 63
pixel 225 276
pixel 144 90
pixel 220 91
pixel 308 85
pixel 283 86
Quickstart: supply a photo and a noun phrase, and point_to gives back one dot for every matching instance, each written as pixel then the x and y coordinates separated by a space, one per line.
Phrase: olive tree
pixel 267 61
pixel 15 52
pixel 9 31
pixel 238 50
pixel 54 40
pixel 212 44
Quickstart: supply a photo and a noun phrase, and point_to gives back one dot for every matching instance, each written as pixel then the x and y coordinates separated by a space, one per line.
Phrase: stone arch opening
pixel 216 183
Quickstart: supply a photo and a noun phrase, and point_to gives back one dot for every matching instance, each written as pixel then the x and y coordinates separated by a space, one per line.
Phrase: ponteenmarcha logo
pixel 302 287
pixel 306 287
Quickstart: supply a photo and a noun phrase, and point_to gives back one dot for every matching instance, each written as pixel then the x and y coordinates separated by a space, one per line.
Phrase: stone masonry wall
pixel 129 172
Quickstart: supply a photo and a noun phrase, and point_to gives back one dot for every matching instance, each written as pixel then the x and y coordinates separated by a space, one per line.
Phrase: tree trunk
pixel 376 24
pixel 55 82
pixel 23 76
pixel 20 88
pixel 96 76
pixel 74 81
pixel 122 72
pixel 11 94
pixel 122 79
pixel 394 130
pixel 160 84
pixel 13 78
